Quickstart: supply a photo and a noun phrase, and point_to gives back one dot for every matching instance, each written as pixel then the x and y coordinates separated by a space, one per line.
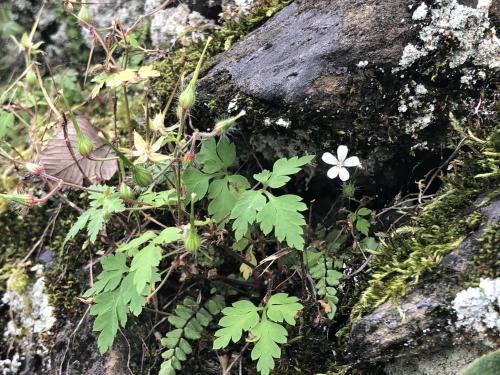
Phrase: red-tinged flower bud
pixel 25 199
pixel 33 168
pixel 189 157
pixel 142 176
pixel 84 145
pixel 222 126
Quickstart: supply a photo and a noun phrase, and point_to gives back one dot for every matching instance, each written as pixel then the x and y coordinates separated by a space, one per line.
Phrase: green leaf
pixel 168 235
pixel 114 267
pixel 196 182
pixel 282 169
pixel 145 263
pixel 113 204
pixel 132 247
pixel 369 244
pixel 281 307
pixel 78 226
pixel 242 316
pixel 245 211
pixel 283 214
pixel 111 313
pixel 158 199
pixel 364 211
pixel 95 224
pixel 6 122
pixel 363 225
pixel 216 157
pixel 223 194
pixel 135 300
pixel 267 336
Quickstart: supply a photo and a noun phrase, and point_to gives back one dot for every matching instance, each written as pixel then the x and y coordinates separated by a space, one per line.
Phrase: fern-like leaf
pixel 189 320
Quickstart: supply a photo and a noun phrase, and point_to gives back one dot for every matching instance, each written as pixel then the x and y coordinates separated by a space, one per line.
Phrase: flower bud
pixel 34 169
pixel 187 98
pixel 192 240
pixel 84 13
pixel 84 145
pixel 68 5
pixel 142 176
pixel 189 157
pixel 126 192
pixel 25 199
pixel 222 126
pixel 31 78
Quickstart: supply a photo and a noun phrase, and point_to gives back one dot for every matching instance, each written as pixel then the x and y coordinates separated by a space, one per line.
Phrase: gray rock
pixel 329 70
pixel 427 326
pixel 305 51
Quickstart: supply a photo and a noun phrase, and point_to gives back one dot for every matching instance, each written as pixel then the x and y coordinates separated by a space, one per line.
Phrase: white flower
pixel 340 163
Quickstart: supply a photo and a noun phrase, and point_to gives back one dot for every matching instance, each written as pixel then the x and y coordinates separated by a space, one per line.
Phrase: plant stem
pixel 129 121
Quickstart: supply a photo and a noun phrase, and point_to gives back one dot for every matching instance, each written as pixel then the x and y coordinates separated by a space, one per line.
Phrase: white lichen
pixel 420 90
pixel 362 64
pixel 468 27
pixel 477 309
pixel 10 366
pixel 178 23
pixel 283 122
pixel 30 309
pixel 420 13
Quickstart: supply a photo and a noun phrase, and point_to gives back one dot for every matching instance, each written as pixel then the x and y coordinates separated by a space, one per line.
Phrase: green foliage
pixel 120 289
pixel 6 122
pixel 263 324
pixel 115 297
pixel 323 270
pixel 282 213
pixel 360 219
pixel 245 211
pixel 488 364
pixel 189 321
pixel 103 203
pixel 282 170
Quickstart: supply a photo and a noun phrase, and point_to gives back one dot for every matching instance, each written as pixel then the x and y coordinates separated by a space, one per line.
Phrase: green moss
pixel 19 281
pixel 184 59
pixel 486 260
pixel 441 226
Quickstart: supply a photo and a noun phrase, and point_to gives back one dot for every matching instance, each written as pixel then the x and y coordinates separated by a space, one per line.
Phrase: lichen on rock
pixel 469 28
pixel 478 308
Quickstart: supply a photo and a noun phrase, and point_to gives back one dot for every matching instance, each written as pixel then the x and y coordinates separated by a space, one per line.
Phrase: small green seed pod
pixel 192 240
pixel 142 176
pixel 84 145
pixel 126 192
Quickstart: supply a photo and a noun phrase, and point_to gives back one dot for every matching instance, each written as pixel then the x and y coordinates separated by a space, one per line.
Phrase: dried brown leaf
pixel 57 160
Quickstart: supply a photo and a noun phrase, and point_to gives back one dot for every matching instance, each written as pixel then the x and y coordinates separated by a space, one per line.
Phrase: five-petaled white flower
pixel 340 163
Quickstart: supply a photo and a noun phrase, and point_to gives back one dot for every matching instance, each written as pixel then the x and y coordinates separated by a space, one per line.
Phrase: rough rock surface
pixel 327 72
pixel 305 51
pixel 427 327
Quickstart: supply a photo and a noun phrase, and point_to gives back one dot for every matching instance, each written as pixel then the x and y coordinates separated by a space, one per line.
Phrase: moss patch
pixel 486 260
pixel 441 226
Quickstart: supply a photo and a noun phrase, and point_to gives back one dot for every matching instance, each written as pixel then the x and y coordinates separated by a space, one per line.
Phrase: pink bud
pixel 189 157
pixel 33 168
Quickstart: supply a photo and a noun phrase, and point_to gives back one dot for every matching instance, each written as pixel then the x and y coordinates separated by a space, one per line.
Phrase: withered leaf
pixel 57 160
